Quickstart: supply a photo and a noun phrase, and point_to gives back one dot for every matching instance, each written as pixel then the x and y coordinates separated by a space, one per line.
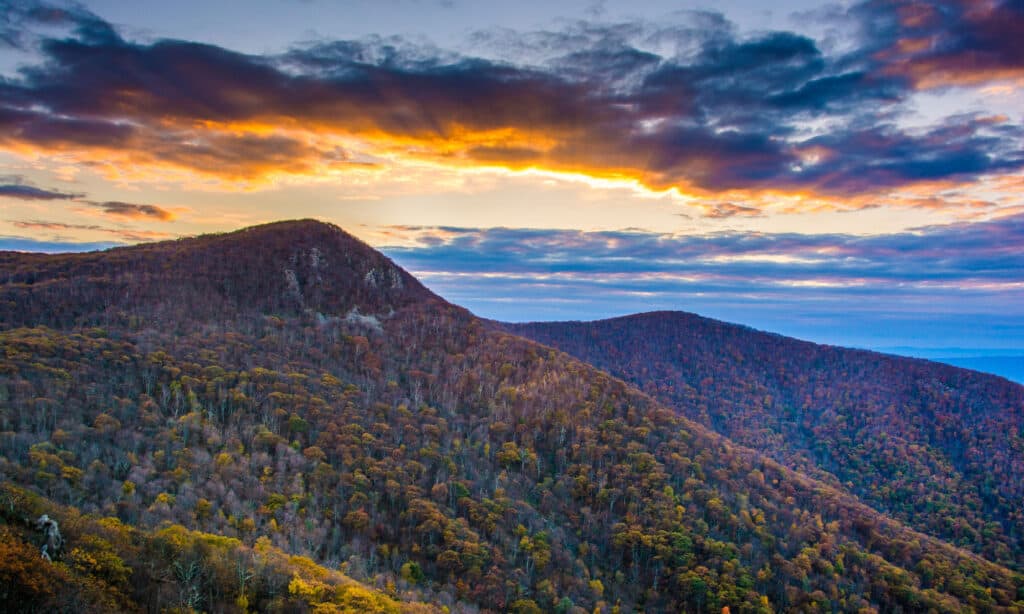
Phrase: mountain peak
pixel 296 229
pixel 282 268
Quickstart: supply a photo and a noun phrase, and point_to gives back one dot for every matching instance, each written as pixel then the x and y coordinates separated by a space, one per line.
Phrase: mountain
pixel 288 268
pixel 937 447
pixel 285 396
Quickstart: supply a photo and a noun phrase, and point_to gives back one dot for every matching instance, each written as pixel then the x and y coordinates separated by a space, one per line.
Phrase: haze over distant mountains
pixel 1003 362
pixel 216 405
pixel 1010 367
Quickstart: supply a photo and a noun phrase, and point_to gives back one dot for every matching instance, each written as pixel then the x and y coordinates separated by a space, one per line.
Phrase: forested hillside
pixel 109 566
pixel 938 447
pixel 291 389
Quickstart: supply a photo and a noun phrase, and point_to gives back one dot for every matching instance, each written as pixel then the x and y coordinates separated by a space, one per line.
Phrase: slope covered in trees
pixel 114 567
pixel 341 412
pixel 938 447
pixel 294 268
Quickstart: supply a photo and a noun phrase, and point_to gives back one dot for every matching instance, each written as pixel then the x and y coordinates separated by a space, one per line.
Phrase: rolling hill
pixel 289 388
pixel 938 447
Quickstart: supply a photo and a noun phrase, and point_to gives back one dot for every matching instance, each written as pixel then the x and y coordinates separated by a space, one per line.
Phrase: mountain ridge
pixel 464 465
pixel 823 409
pixel 277 267
pixel 901 352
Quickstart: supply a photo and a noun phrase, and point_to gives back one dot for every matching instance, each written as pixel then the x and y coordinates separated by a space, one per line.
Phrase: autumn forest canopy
pixel 282 419
pixel 476 306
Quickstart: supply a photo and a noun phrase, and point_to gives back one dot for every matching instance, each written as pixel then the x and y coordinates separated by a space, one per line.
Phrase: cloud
pixel 23 191
pixel 880 156
pixel 692 106
pixel 935 283
pixel 17 187
pixel 728 209
pixel 132 210
pixel 20 16
pixel 979 254
pixel 948 43
pixel 123 234
pixel 41 225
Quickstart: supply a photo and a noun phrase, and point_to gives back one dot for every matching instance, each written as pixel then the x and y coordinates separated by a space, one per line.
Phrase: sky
pixel 847 173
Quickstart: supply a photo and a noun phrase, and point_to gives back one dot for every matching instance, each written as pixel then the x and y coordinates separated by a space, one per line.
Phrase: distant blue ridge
pixel 1008 363
pixel 1010 367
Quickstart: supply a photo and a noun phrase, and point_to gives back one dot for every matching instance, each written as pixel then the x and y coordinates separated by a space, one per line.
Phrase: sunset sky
pixel 848 173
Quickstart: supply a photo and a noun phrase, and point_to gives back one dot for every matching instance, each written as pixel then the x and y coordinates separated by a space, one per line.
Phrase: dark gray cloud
pixel 25 191
pixel 132 210
pixel 15 186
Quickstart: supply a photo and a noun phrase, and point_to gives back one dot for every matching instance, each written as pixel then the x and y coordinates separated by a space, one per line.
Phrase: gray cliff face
pixel 53 542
